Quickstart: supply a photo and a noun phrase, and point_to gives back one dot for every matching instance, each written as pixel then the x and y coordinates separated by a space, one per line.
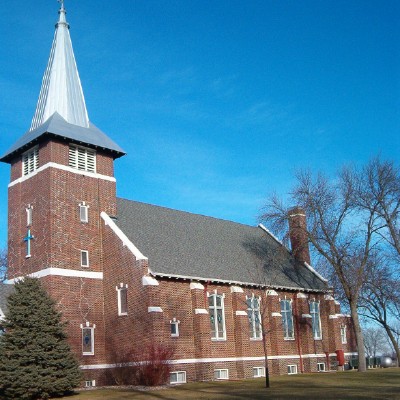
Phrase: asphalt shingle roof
pixel 182 244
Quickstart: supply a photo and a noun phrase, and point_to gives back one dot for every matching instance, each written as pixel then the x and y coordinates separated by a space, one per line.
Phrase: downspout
pixel 298 341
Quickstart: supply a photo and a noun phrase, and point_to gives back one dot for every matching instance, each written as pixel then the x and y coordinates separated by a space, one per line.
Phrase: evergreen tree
pixel 35 359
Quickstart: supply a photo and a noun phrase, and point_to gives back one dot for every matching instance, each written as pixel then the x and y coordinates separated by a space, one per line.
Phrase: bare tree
pixel 378 191
pixel 340 234
pixel 375 341
pixel 3 264
pixel 380 300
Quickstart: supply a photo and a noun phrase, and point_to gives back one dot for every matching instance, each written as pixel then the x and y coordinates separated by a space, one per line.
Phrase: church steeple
pixel 61 89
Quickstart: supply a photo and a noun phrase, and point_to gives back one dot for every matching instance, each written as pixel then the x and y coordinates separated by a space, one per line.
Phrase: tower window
pixel 84 212
pixel 122 299
pixel 82 158
pixel 29 210
pixel 30 161
pixel 174 324
pixel 84 258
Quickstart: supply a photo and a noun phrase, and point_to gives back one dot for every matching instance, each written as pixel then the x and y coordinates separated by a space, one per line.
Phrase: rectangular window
pixel 316 320
pixel 90 383
pixel 221 374
pixel 122 299
pixel 84 212
pixel 174 327
pixel 30 161
pixel 253 312
pixel 287 319
pixel 177 377
pixel 217 316
pixel 292 369
pixel 84 258
pixel 321 367
pixel 88 341
pixel 258 372
pixel 82 158
pixel 343 334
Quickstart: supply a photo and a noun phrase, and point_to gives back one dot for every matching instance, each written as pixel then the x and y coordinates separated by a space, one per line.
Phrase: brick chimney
pixel 298 234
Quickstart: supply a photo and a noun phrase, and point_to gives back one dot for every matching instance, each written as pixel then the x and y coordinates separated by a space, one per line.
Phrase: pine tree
pixel 35 359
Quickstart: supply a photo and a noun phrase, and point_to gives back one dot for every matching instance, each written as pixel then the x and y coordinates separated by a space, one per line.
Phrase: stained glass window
pixel 253 312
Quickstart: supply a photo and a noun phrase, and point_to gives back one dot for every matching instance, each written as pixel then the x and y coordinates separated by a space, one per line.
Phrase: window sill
pixel 256 339
pixel 289 339
pixel 218 339
pixel 122 314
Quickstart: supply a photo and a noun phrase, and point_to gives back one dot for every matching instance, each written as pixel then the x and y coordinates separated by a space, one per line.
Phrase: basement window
pixel 292 369
pixel 177 377
pixel 221 374
pixel 258 372
pixel 321 367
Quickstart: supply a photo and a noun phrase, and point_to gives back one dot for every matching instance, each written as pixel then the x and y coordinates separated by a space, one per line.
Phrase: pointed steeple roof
pixel 61 89
pixel 61 109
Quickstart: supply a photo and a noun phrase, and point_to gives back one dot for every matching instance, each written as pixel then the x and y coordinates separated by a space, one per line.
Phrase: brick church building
pixel 127 274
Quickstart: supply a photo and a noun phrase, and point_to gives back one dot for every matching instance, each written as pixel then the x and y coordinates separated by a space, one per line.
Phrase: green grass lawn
pixel 374 384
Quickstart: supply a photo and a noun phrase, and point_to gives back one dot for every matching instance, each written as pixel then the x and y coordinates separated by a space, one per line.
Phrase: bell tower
pixel 62 178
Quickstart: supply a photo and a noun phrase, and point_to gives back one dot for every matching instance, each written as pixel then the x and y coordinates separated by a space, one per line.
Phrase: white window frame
pixel 85 255
pixel 221 374
pixel 30 161
pixel 83 212
pixel 321 367
pixel 287 319
pixel 29 214
pixel 90 383
pixel 216 310
pixel 91 329
pixel 82 158
pixel 316 319
pixel 174 323
pixel 343 334
pixel 292 369
pixel 258 372
pixel 253 313
pixel 180 377
pixel 120 290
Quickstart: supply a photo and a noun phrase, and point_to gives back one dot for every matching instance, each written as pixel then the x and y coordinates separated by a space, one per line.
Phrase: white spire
pixel 61 89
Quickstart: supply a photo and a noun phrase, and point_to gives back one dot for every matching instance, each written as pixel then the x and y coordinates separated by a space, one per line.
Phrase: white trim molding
pixel 236 289
pixel 218 360
pixel 124 239
pixel 62 168
pixel 72 273
pixel 241 313
pixel 149 281
pixel 196 285
pixel 271 293
pixel 301 296
pixel 306 316
pixel 155 309
pixel 276 314
pixel 200 311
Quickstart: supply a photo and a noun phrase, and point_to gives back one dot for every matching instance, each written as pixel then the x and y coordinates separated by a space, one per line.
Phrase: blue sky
pixel 217 103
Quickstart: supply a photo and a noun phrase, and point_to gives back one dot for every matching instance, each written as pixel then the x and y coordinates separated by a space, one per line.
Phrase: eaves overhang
pixel 57 127
pixel 237 283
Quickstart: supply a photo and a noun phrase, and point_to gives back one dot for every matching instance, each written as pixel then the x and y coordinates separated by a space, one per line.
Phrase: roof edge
pixel 197 278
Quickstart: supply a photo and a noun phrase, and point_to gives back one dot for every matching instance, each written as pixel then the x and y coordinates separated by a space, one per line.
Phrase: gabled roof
pixel 61 89
pixel 181 244
pixel 58 126
pixel 5 291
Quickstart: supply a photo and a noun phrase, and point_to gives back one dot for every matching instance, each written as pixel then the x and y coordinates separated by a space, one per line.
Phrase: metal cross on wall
pixel 28 239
